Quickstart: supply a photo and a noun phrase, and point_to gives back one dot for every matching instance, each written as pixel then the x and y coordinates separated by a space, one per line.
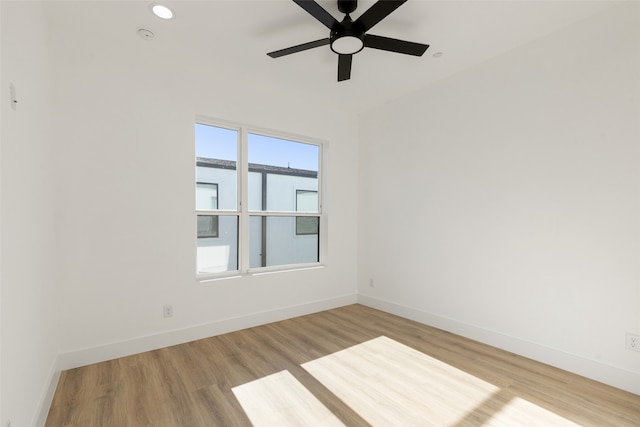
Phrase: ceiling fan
pixel 349 37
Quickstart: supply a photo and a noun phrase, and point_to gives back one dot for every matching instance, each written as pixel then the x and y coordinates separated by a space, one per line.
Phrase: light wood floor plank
pixel 385 381
pixel 280 400
pixel 190 385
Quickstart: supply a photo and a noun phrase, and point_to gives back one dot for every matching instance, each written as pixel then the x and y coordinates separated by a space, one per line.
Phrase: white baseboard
pixel 87 356
pixel 47 396
pixel 595 370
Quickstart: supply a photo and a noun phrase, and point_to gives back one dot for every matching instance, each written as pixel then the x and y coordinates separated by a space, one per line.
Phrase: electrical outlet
pixel 633 342
pixel 167 311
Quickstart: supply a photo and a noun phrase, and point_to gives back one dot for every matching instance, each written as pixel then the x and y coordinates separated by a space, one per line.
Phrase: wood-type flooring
pixel 191 385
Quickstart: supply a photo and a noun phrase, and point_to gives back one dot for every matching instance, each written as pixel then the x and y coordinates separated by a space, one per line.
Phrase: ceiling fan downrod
pixel 347 6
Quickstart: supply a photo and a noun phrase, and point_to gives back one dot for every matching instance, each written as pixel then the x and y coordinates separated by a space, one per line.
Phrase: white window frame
pixel 242 212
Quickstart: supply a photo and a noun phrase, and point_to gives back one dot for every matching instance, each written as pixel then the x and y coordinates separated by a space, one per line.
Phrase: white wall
pixel 28 253
pixel 2 94
pixel 522 179
pixel 124 130
pixel 503 203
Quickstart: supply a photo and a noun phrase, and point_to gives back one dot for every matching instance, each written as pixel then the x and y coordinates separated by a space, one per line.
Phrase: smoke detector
pixel 145 33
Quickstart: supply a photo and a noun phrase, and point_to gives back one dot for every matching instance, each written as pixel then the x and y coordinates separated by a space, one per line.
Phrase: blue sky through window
pixel 219 143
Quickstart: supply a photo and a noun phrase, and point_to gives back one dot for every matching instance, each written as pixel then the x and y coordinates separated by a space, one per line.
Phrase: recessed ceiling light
pixel 437 54
pixel 162 11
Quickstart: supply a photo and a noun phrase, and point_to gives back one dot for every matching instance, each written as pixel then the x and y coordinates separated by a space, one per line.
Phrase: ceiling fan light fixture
pixel 347 45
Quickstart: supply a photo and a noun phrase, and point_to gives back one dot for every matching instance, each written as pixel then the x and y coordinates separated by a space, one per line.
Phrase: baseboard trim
pixel 47 396
pixel 87 356
pixel 595 370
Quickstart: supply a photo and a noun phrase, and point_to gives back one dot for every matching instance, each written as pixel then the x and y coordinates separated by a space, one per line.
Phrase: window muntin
pixel 276 187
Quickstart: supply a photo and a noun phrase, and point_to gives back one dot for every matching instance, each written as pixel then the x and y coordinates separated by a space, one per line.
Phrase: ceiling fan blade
pixel 377 13
pixel 394 45
pixel 298 48
pixel 315 10
pixel 344 67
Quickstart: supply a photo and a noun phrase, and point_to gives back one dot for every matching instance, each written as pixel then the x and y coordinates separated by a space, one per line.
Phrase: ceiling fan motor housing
pixel 347 38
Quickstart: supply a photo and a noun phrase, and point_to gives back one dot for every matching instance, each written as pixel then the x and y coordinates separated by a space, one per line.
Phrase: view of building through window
pixel 306 201
pixel 282 215
pixel 207 199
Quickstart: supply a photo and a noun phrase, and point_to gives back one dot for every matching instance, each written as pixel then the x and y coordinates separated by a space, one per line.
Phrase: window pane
pixel 218 254
pixel 216 159
pixel 274 241
pixel 283 167
pixel 256 249
pixel 255 191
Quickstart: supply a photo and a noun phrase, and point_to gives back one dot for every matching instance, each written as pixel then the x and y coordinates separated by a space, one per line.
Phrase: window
pixel 206 195
pixel 258 199
pixel 207 199
pixel 207 226
pixel 306 201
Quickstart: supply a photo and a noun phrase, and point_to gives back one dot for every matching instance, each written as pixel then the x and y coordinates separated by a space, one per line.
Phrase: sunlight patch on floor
pixel 386 382
pixel 389 384
pixel 520 412
pixel 281 400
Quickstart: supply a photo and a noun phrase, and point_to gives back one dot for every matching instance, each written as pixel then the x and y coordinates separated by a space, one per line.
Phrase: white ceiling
pixel 235 35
